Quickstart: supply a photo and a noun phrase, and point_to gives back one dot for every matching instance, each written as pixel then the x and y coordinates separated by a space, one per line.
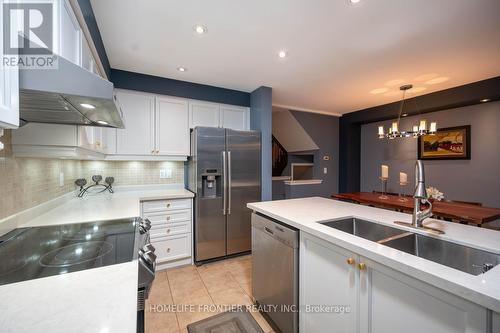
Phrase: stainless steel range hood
pixel 67 95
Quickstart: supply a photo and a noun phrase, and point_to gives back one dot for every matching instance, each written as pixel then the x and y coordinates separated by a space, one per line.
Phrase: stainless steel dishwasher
pixel 275 271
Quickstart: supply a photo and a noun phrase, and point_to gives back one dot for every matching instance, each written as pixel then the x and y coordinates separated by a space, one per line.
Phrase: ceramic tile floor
pixel 180 296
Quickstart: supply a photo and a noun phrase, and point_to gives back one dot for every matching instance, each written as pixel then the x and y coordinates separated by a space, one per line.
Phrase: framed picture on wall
pixel 452 143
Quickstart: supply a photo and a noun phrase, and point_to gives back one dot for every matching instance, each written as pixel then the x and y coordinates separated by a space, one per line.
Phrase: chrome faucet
pixel 420 197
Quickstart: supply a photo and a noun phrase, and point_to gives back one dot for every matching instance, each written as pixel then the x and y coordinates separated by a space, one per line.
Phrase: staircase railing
pixel 280 158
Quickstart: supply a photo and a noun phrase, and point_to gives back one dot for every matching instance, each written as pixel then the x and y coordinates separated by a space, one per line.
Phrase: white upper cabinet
pixel 234 117
pixel 88 60
pixel 138 137
pixel 70 34
pixel 9 89
pixel 218 115
pixel 204 114
pixel 172 126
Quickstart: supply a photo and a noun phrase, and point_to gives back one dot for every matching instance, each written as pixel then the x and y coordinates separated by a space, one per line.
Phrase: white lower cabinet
pixel 171 230
pixel 380 299
pixel 326 280
pixel 496 322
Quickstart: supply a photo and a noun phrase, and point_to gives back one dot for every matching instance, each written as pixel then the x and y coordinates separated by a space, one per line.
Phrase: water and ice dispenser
pixel 211 184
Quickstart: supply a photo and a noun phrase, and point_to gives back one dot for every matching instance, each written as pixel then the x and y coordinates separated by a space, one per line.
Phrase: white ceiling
pixel 338 52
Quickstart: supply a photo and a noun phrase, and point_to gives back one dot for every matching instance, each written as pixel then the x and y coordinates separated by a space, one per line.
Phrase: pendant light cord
pixel 401 109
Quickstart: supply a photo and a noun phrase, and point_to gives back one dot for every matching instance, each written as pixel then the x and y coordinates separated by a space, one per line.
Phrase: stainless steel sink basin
pixel 463 258
pixel 364 229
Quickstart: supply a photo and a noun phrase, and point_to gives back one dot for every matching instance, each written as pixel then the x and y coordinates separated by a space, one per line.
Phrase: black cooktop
pixel 31 253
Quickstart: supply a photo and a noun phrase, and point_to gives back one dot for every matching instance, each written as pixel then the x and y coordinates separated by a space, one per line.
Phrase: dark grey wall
pixel 324 130
pixel 471 180
pixel 261 101
pixel 165 86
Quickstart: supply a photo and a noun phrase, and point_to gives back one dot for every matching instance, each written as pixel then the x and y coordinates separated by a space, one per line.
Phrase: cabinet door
pixel 496 322
pixel 109 140
pixel 88 61
pixel 70 36
pixel 9 89
pixel 394 302
pixel 137 138
pixel 234 117
pixel 326 280
pixel 87 137
pixel 172 127
pixel 204 114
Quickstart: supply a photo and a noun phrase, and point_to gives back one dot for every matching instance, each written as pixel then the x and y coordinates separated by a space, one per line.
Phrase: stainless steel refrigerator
pixel 224 173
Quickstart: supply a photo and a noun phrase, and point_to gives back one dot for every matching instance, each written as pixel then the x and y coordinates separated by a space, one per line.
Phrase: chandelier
pixel 417 130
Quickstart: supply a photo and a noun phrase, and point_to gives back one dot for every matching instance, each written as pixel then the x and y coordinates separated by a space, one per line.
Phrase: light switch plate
pixel 325 170
pixel 61 179
pixel 165 173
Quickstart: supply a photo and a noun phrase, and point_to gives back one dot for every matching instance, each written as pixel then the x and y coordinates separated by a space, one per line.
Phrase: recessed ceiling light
pixel 484 100
pixel 282 54
pixel 354 1
pixel 404 115
pixel 200 29
pixel 182 69
pixel 102 122
pixel 87 106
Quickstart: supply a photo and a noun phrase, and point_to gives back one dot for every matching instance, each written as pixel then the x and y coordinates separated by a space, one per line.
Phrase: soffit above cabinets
pixel 341 57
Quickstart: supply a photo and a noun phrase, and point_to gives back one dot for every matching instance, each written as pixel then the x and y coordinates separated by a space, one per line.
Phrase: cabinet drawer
pixel 162 230
pixel 172 247
pixel 164 205
pixel 169 216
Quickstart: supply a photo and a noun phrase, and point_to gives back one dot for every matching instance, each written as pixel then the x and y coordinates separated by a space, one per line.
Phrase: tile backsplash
pixel 27 182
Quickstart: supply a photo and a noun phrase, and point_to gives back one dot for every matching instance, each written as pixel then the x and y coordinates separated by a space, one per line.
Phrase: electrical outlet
pixel 61 179
pixel 325 170
pixel 165 173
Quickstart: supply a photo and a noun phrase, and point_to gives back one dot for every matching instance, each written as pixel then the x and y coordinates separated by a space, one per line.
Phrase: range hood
pixel 68 95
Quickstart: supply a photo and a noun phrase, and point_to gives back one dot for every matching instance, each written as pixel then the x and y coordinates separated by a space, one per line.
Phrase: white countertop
pixel 105 206
pixel 100 300
pixel 304 214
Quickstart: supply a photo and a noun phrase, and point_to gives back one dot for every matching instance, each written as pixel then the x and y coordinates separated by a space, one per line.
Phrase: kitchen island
pixel 384 289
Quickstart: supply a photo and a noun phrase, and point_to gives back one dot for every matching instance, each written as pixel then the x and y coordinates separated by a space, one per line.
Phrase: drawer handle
pixel 362 266
pixel 168 231
pixel 350 261
pixel 168 205
pixel 168 218
pixel 168 250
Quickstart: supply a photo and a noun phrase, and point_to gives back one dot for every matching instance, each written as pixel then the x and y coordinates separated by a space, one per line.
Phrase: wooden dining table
pixel 462 212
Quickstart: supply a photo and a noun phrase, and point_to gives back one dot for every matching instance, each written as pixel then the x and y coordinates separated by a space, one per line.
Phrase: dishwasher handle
pixel 269 231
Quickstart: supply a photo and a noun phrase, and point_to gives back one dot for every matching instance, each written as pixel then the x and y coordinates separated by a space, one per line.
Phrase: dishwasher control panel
pixel 282 233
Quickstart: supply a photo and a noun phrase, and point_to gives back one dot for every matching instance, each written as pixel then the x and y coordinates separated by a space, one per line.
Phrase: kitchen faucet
pixel 420 197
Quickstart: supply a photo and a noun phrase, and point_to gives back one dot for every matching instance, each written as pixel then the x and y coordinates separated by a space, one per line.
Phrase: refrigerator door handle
pixel 224 187
pixel 229 176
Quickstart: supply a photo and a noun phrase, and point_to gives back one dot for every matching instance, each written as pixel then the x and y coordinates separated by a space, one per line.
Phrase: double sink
pixel 466 259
